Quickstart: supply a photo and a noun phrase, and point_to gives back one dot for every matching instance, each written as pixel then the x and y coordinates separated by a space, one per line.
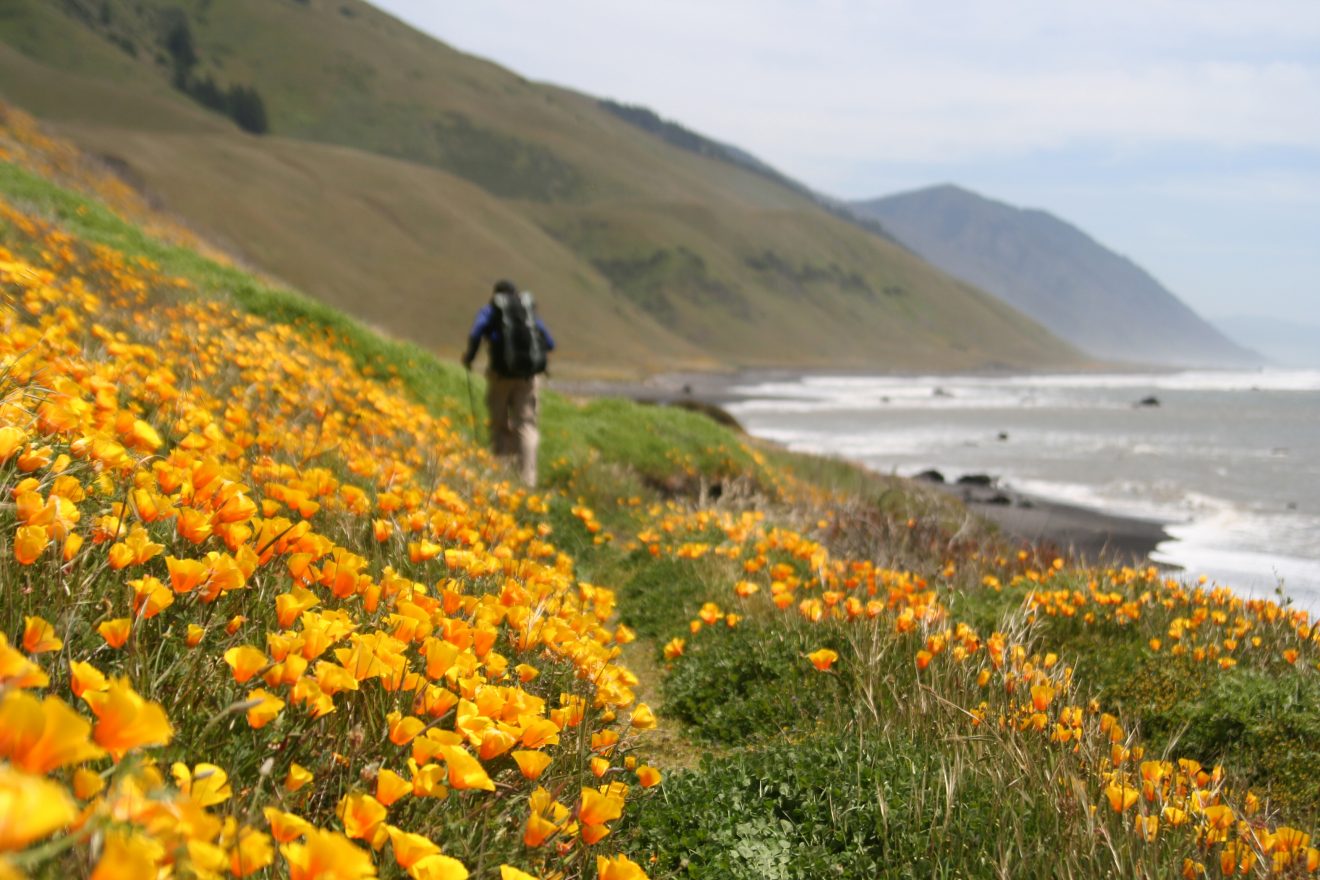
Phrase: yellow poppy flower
pixel 531 764
pixel 508 872
pixel 823 659
pixel 206 784
pixel 125 721
pixel 618 868
pixel 326 855
pixel 39 736
pixel 31 808
pixel 29 543
pixel 128 855
pixel 39 636
pixel 438 867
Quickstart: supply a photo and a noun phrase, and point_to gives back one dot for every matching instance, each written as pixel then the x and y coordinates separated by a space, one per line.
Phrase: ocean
pixel 1229 462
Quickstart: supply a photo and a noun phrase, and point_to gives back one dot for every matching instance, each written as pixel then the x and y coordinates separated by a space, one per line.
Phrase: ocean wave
pixel 1261 575
pixel 1169 466
pixel 1056 390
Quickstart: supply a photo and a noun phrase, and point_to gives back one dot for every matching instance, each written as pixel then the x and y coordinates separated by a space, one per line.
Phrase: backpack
pixel 520 353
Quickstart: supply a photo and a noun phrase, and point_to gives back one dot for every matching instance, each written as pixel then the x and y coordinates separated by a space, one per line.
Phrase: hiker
pixel 516 357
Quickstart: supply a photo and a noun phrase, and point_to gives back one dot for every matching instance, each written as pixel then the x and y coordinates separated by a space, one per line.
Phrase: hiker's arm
pixel 480 328
pixel 545 334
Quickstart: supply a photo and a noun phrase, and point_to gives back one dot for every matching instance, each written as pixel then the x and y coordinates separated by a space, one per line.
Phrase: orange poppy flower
pixel 465 772
pixel 185 574
pixel 285 827
pixel 823 659
pixel 297 777
pixel 362 816
pixel 390 787
pixel 263 708
pixel 39 636
pixel 409 849
pixel 598 808
pixel 531 764
pixel 126 721
pixel 538 830
pixel 116 632
pixel 39 736
pixel 245 661
pixel 327 854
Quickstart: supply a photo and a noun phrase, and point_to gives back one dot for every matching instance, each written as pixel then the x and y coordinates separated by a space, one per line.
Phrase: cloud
pixel 808 84
pixel 1272 187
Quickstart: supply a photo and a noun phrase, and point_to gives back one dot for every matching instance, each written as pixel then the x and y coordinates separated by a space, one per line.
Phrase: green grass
pixel 754 683
pixel 660 596
pixel 823 806
pixel 1262 724
pixel 867 770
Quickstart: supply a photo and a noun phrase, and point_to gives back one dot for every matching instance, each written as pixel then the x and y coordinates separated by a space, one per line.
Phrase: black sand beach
pixel 1086 534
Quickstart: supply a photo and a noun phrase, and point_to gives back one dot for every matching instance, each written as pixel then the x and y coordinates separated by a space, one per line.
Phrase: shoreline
pixel 1091 535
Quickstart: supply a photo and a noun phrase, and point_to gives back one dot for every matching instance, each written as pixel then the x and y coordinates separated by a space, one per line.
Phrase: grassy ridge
pixel 398 200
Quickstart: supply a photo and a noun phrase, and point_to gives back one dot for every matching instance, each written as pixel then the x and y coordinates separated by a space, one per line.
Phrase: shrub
pixel 1264 727
pixel 735 685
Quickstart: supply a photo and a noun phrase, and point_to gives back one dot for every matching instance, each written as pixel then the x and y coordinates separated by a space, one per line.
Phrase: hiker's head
pixel 504 285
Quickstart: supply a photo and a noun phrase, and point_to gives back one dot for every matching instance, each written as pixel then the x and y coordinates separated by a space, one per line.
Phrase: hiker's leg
pixel 526 410
pixel 497 401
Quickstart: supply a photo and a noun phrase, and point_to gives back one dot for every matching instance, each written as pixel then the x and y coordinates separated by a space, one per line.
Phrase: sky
pixel 1183 134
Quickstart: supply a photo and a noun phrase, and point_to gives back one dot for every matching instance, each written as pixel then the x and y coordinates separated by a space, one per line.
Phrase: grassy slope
pixel 805 805
pixel 597 435
pixel 611 447
pixel 597 216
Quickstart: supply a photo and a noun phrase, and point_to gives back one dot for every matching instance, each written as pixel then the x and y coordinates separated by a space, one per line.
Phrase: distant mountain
pixel 1284 343
pixel 372 166
pixel 1096 299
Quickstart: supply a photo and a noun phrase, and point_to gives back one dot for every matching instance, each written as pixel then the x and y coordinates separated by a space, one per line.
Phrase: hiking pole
pixel 472 407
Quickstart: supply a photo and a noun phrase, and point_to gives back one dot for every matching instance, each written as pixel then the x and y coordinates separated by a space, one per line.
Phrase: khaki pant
pixel 514 409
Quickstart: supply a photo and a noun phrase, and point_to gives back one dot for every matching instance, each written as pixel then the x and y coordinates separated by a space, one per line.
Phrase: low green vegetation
pixel 823 806
pixel 751 685
pixel 855 678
